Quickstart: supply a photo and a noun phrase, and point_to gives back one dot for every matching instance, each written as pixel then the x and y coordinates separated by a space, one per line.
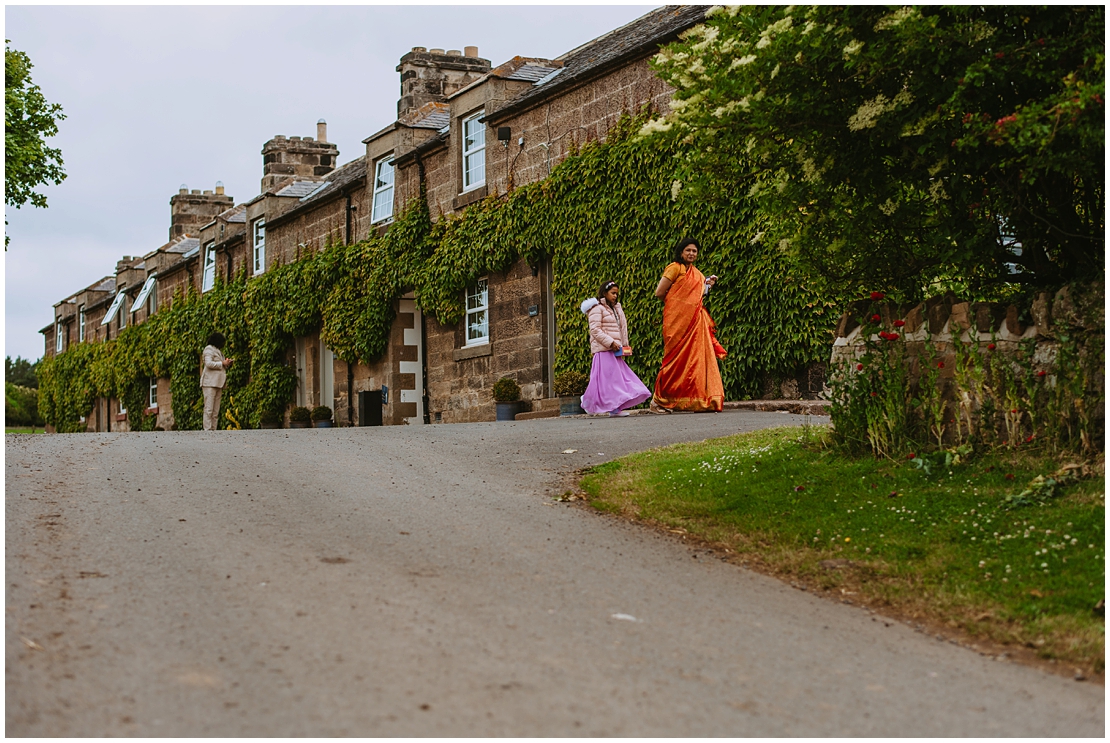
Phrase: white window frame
pixel 473 151
pixel 59 337
pixel 81 324
pixel 113 309
pixel 122 310
pixel 258 249
pixel 208 273
pixel 478 291
pixel 152 395
pixel 152 298
pixel 381 208
pixel 143 294
pixel 122 410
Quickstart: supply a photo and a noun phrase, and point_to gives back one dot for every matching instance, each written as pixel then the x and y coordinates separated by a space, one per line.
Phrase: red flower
pixel 1014 410
pixel 1000 55
pixel 1041 373
pixel 940 364
pixel 859 367
pixel 991 346
pixel 1040 41
pixel 899 323
pixel 1097 99
pixel 1027 440
pixel 1009 476
pixel 799 489
pixel 912 456
pixel 876 318
pixel 873 394
pixel 876 296
pixel 892 336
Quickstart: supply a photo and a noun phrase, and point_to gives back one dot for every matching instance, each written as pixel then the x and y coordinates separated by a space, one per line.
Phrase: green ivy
pixel 605 213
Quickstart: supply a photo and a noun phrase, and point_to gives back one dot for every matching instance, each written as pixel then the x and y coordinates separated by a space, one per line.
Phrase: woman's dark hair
pixel 217 340
pixel 605 287
pixel 682 246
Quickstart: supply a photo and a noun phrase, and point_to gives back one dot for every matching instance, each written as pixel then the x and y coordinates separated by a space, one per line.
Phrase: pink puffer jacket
pixel 607 326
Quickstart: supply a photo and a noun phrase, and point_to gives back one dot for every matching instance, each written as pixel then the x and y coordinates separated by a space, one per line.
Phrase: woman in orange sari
pixel 689 379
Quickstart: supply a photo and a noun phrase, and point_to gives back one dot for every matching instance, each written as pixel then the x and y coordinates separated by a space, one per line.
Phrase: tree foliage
pixel 899 148
pixel 28 120
pixel 21 371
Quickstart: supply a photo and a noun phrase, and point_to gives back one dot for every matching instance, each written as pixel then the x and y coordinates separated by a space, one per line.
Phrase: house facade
pixel 465 130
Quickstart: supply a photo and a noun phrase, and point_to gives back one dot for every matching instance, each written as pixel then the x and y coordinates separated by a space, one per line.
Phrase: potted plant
pixel 569 387
pixel 269 419
pixel 300 417
pixel 321 416
pixel 506 393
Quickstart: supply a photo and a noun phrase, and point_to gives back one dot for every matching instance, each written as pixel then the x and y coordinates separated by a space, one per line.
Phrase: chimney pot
pixel 420 48
pixel 183 188
pixel 435 51
pixel 322 131
pixel 294 139
pixel 195 191
pixel 454 53
pixel 207 192
pixel 219 188
pixel 471 51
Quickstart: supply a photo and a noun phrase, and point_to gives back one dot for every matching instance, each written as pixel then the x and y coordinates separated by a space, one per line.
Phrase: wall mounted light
pixel 504 134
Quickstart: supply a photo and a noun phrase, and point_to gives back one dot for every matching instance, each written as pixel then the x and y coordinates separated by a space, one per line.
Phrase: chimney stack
pixel 189 210
pixel 429 75
pixel 290 157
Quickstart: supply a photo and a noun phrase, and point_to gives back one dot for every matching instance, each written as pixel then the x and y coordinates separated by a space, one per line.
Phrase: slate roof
pixel 183 245
pixel 236 214
pixel 299 189
pixel 434 115
pixel 532 73
pixel 640 38
pixel 106 284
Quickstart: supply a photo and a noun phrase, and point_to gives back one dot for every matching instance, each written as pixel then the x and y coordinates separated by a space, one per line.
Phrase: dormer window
pixel 473 152
pixel 59 338
pixel 81 324
pixel 383 190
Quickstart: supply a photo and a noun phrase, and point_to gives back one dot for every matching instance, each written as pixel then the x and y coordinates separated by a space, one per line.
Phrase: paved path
pixel 419 581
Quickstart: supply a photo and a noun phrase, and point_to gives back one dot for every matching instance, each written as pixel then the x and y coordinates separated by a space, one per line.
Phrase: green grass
pixel 27 429
pixel 941 548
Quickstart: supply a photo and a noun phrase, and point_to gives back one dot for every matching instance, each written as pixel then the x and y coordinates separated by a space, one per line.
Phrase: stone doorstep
pixel 537 414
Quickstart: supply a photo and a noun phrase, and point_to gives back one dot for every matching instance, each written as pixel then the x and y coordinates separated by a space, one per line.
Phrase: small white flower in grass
pixel 1044 564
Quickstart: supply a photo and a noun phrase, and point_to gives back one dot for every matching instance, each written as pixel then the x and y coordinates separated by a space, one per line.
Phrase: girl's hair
pixel 217 340
pixel 604 289
pixel 682 246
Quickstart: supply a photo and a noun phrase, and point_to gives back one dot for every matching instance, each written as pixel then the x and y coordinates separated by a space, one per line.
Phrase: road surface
pixel 420 580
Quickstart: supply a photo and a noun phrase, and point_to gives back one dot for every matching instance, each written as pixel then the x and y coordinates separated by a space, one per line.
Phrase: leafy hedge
pixel 605 213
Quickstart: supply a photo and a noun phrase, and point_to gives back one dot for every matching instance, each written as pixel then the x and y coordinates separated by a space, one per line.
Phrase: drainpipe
pixel 348 210
pixel 350 394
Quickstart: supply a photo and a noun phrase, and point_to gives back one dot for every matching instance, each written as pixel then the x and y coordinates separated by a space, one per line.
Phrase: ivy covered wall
pixel 607 212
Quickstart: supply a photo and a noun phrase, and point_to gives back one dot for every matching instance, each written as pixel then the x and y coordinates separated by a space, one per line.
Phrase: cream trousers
pixel 211 407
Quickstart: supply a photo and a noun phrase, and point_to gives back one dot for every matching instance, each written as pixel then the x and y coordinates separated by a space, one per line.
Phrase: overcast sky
pixel 155 97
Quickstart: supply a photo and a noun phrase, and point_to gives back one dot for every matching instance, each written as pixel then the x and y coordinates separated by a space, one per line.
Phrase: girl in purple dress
pixel 613 386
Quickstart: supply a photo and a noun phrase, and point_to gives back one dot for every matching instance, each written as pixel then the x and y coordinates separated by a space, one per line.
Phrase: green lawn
pixel 943 547
pixel 37 429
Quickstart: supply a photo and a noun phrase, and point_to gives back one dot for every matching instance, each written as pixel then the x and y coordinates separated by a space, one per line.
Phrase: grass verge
pixel 943 548
pixel 37 429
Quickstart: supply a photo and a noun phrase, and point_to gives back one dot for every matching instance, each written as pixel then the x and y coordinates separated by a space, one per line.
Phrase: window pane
pixel 384 176
pixel 477 327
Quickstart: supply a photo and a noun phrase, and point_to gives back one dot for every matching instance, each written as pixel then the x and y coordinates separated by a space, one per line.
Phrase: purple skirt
pixel 613 386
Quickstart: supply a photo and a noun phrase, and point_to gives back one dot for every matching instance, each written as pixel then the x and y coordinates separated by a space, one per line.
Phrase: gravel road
pixel 420 580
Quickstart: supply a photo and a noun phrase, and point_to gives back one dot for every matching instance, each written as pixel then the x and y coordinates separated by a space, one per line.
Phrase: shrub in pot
pixel 569 387
pixel 321 416
pixel 300 417
pixel 506 393
pixel 270 419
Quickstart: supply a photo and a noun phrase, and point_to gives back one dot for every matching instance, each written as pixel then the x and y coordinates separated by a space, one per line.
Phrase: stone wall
pixel 460 380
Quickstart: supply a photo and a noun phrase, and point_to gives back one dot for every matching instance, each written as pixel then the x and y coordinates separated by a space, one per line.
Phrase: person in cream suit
pixel 213 377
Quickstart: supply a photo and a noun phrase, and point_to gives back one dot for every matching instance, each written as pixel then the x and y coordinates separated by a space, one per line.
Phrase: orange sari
pixel 689 379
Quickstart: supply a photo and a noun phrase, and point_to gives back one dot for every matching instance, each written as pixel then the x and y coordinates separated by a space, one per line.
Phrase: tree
pixel 21 372
pixel 895 149
pixel 28 120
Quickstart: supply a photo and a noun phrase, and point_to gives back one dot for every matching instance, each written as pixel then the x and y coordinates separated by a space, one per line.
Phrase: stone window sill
pixel 121 416
pixel 468 198
pixel 472 352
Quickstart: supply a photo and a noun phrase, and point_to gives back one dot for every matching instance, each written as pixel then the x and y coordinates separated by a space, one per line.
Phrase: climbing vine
pixel 607 212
